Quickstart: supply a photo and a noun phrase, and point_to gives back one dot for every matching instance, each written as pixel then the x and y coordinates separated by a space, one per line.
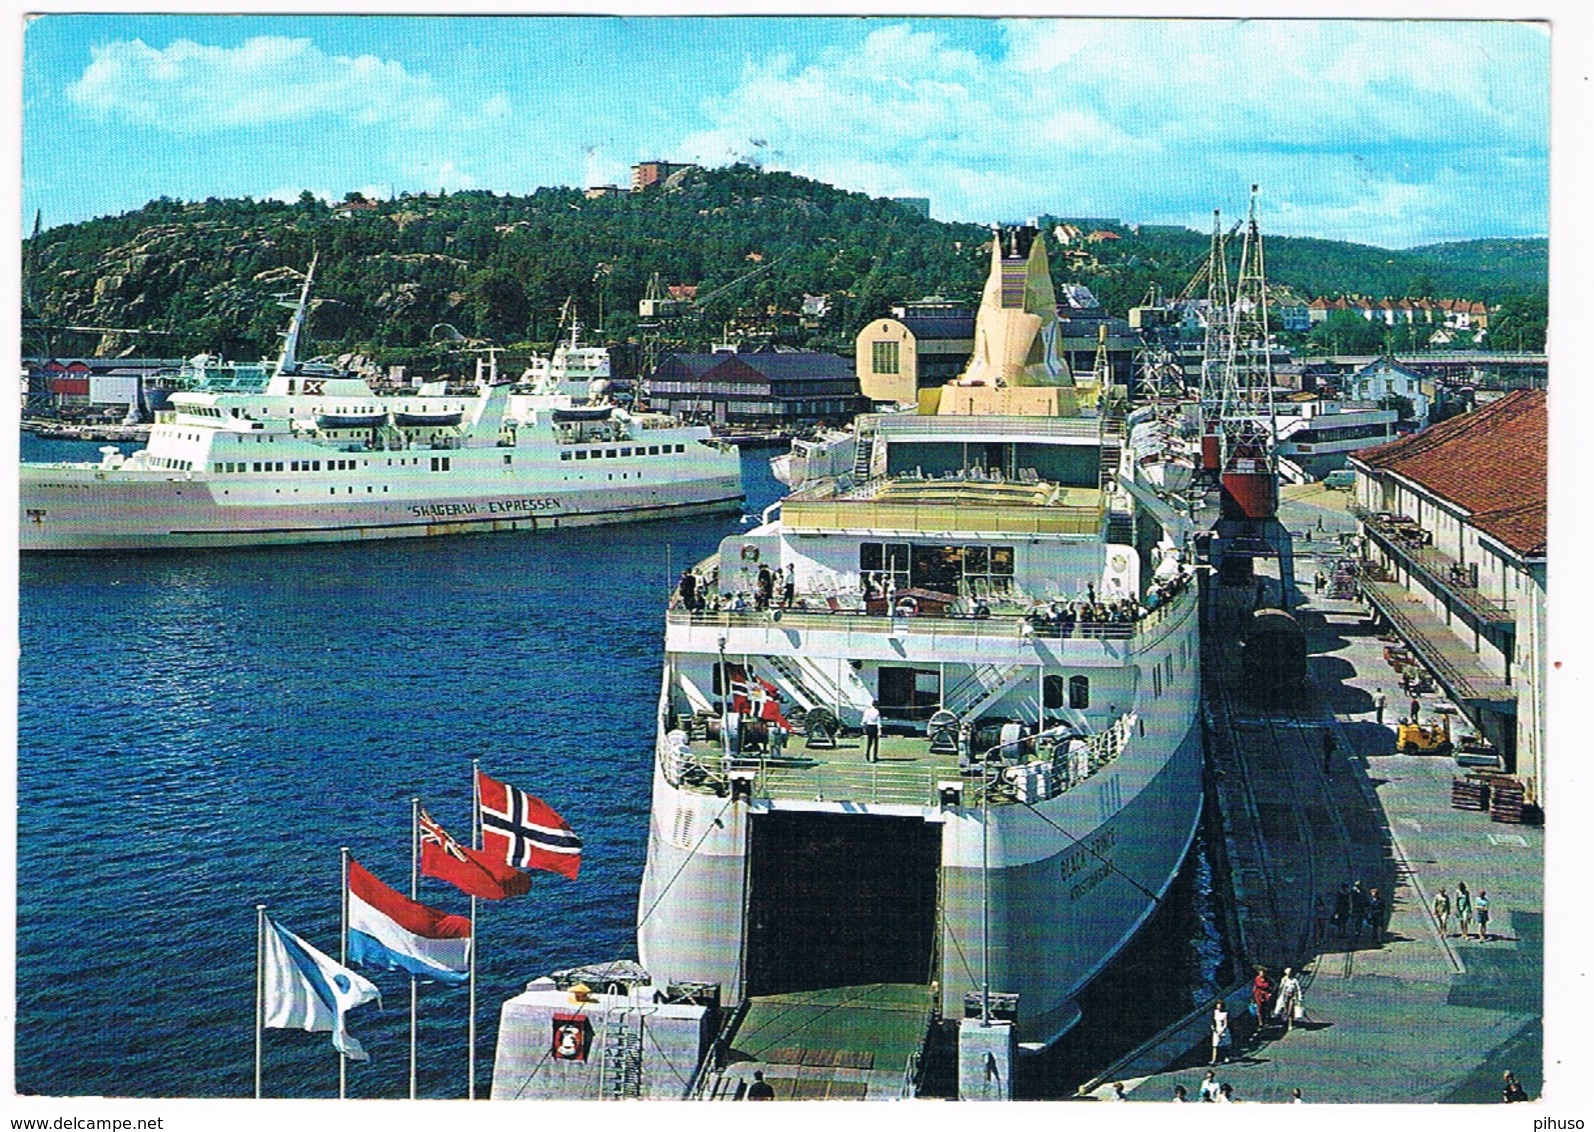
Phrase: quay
pixel 1415 1017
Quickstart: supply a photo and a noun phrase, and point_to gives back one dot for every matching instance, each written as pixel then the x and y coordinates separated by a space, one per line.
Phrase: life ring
pixel 749 553
pixel 907 606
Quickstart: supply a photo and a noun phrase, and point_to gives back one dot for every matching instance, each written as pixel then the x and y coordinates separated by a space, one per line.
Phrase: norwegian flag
pixel 525 831
pixel 753 695
pixel 472 871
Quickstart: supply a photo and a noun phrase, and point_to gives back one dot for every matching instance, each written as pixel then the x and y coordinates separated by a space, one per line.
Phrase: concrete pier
pixel 1413 1016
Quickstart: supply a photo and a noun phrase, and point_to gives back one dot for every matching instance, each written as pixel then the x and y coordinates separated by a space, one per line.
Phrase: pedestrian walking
pixel 1288 1006
pixel 1226 1093
pixel 1481 907
pixel 1222 1039
pixel 1511 1090
pixel 1118 1093
pixel 1261 997
pixel 1379 699
pixel 1295 1097
pixel 1319 920
pixel 1415 709
pixel 871 732
pixel 1209 1087
pixel 789 596
pixel 1441 911
pixel 1328 753
pixel 1358 910
pixel 1375 917
pixel 1463 909
pixel 760 1089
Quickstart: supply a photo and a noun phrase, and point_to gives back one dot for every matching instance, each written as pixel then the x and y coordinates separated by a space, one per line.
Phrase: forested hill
pixel 500 267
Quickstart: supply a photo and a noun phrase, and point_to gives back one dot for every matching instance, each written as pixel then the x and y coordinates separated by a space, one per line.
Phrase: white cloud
pixel 1389 129
pixel 190 87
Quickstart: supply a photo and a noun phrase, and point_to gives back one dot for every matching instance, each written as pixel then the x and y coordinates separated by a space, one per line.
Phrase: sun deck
pixel 962 503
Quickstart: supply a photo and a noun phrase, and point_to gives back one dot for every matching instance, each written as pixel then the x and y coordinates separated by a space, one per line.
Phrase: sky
pixel 1395 133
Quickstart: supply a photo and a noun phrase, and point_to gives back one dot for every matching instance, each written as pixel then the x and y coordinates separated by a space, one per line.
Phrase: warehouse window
pixel 886 357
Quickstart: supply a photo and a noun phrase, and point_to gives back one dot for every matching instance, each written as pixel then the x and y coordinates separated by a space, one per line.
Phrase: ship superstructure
pixel 318 456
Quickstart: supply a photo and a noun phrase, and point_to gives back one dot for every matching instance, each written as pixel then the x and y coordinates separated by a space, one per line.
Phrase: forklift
pixel 1416 738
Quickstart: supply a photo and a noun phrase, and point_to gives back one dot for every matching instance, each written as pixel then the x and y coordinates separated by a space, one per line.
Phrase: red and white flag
pixel 754 696
pixel 525 831
pixel 475 872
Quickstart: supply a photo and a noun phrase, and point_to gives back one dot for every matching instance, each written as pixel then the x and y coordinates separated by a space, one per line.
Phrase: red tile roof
pixel 1493 462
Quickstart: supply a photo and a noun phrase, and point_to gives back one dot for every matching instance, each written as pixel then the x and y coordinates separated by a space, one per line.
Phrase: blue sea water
pixel 199 733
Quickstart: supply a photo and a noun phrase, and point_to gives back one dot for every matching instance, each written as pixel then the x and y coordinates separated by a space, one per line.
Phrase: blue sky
pixel 1394 133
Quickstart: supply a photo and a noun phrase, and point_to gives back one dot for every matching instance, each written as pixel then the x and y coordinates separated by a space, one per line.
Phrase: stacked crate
pixel 1469 794
pixel 1505 802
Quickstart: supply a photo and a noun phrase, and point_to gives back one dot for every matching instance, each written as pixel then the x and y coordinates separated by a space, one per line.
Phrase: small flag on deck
pixel 472 871
pixel 525 831
pixel 306 990
pixel 754 696
pixel 394 933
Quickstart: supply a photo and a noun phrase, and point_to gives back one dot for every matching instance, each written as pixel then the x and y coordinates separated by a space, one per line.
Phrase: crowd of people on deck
pixel 776 588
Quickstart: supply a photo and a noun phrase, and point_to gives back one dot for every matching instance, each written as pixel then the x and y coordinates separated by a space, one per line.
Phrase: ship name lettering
pixel 442 510
pixel 1088 853
pixel 546 503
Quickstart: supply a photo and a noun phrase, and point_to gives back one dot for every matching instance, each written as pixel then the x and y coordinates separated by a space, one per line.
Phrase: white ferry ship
pixel 319 457
pixel 1023 622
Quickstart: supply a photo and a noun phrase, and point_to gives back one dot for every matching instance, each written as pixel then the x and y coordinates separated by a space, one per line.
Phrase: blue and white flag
pixel 306 990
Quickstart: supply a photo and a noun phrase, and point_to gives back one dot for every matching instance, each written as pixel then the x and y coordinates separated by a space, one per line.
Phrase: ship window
pixel 279 465
pixel 294 466
pixel 564 455
pixel 315 465
pixel 1156 681
pixel 653 450
pixel 680 448
pixel 509 459
pixel 1079 692
pixel 890 558
pixel 609 452
pixel 625 451
pixel 1052 689
pixel 581 455
pixel 257 465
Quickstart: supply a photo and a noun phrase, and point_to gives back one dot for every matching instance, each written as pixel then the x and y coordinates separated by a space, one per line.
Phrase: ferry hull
pixel 71 509
pixel 1070 882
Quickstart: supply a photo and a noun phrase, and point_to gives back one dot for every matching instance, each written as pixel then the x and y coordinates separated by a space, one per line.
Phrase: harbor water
pixel 199 733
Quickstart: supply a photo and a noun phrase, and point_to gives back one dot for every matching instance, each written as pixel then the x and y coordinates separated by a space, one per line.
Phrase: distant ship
pixel 318 456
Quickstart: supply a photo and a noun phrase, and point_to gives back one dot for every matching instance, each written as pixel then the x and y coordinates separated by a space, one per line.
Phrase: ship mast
pixel 289 361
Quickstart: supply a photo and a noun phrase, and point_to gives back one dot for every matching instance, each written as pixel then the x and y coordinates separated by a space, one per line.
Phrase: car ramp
pixel 837 1043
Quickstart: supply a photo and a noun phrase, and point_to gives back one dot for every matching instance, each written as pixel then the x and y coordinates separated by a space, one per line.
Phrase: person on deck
pixel 871 732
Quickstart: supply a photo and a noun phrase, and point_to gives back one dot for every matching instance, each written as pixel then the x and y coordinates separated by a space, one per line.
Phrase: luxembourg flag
pixel 391 932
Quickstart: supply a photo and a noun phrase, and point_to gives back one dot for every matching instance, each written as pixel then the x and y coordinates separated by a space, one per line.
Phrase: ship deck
pixel 907 772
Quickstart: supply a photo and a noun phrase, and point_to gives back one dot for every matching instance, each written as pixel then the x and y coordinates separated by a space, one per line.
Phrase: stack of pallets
pixel 1505 802
pixel 1469 794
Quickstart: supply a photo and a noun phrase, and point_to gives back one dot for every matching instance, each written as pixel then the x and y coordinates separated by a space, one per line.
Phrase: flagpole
pixel 260 987
pixel 415 849
pixel 475 843
pixel 343 958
